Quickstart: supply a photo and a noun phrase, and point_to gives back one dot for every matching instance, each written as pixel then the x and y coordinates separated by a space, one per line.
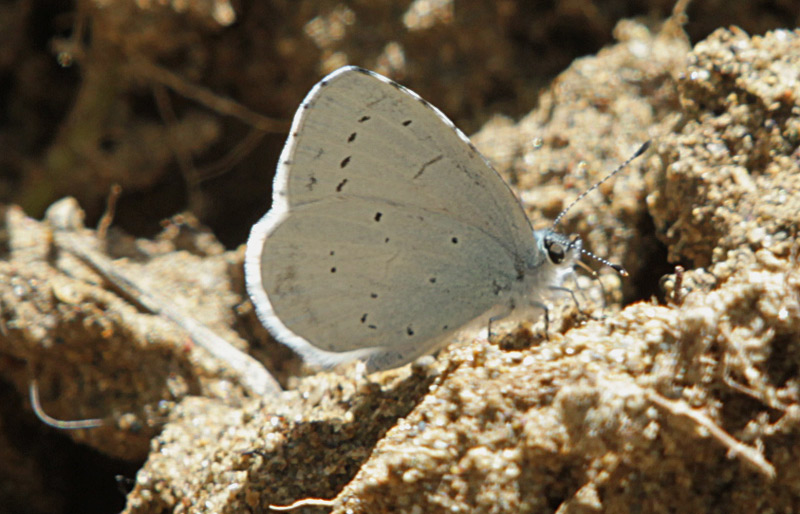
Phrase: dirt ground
pixel 682 394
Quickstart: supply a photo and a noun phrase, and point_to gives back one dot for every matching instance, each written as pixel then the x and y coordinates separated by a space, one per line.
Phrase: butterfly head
pixel 557 253
pixel 560 249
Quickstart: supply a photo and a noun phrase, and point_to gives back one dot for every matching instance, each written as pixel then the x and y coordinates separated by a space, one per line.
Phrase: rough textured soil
pixel 681 395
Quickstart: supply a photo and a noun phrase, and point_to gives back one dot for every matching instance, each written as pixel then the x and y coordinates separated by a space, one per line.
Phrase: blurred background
pixel 185 105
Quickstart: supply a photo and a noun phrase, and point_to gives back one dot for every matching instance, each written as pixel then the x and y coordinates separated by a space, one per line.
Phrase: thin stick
pixel 735 448
pixel 206 97
pixel 33 394
pixel 233 157
pixel 305 502
pixel 251 373
pixel 108 216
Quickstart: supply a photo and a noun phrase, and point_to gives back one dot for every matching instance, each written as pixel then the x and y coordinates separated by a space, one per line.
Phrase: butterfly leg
pixel 546 310
pixel 596 277
pixel 574 298
pixel 574 277
pixel 497 316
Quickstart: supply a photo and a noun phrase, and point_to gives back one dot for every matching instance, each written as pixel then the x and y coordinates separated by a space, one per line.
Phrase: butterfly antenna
pixel 616 267
pixel 642 149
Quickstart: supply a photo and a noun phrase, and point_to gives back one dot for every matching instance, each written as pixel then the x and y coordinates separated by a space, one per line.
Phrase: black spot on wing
pixel 345 162
pixel 407 123
pixel 363 119
pixel 352 137
pixel 341 185
pixel 378 216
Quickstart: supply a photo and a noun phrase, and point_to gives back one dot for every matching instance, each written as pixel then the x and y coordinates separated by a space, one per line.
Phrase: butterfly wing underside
pixel 388 229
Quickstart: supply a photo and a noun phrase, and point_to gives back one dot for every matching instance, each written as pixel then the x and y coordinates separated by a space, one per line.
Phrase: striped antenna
pixel 616 267
pixel 642 149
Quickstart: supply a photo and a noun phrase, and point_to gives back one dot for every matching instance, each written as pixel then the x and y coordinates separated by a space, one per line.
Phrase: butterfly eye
pixel 555 251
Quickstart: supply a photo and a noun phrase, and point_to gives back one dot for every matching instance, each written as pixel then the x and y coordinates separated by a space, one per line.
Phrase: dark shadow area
pixel 43 471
